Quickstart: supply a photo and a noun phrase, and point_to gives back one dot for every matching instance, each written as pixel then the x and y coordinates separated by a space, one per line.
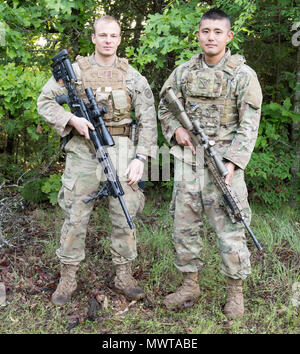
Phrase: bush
pixel 51 187
pixel 32 191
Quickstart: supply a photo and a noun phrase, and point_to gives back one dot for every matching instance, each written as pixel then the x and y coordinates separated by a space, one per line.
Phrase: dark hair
pixel 215 14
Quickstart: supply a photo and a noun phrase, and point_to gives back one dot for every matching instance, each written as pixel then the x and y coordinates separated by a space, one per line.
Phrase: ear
pixel 93 38
pixel 120 38
pixel 229 36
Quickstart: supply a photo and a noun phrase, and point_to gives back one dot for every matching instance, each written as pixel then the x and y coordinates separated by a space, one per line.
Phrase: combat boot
pixel 67 285
pixel 234 306
pixel 189 290
pixel 125 284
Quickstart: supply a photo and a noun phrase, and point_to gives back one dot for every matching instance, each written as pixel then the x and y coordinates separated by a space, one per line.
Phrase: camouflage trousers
pixel 81 180
pixel 195 195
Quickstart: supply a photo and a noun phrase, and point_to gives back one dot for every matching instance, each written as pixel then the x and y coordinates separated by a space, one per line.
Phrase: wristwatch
pixel 140 158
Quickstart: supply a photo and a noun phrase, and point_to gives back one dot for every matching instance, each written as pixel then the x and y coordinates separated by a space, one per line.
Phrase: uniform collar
pixel 198 60
pixel 93 62
pixel 221 63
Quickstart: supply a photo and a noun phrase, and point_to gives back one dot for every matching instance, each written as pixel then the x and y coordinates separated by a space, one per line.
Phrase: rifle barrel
pixel 129 220
pixel 257 244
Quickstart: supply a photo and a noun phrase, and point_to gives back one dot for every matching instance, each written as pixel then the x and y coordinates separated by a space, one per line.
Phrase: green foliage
pixel 172 34
pixel 19 120
pixel 19 89
pixel 51 187
pixel 8 171
pixel 173 31
pixel 269 171
pixel 60 23
pixel 285 111
pixel 32 191
pixel 268 176
pixel 42 189
pixel 35 31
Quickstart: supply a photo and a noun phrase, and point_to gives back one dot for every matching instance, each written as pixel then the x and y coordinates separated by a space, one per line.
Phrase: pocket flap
pixel 68 180
pixel 119 99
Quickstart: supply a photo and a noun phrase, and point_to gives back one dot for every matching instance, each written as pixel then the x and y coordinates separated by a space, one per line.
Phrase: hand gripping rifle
pixel 63 72
pixel 212 159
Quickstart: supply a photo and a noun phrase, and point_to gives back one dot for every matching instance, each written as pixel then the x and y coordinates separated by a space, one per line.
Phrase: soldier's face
pixel 106 38
pixel 213 36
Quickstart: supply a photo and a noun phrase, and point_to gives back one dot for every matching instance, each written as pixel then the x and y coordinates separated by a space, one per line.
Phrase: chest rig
pixel 208 95
pixel 108 85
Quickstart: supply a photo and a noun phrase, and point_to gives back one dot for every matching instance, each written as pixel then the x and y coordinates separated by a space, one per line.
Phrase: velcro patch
pixel 105 74
pixel 253 95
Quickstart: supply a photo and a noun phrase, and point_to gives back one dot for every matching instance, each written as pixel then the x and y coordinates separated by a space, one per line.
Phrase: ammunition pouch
pixel 122 130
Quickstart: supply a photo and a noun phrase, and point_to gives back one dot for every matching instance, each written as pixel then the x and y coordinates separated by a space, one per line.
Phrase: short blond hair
pixel 107 18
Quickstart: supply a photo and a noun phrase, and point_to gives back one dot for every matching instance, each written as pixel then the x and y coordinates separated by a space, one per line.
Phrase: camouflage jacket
pixel 142 103
pixel 226 98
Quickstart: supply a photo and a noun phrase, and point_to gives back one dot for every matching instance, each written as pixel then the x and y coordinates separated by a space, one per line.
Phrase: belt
pixel 123 130
pixel 120 130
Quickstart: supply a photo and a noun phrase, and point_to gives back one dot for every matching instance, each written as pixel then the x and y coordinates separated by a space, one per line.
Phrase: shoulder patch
pixel 253 95
pixel 148 93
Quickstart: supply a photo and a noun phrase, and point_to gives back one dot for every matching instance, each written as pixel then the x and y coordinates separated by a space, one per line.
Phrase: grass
pixel 30 272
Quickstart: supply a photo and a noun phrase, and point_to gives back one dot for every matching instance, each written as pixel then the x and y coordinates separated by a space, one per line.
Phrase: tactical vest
pixel 108 85
pixel 208 95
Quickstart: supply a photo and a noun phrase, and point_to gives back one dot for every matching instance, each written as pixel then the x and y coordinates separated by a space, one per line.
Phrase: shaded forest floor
pixel 30 271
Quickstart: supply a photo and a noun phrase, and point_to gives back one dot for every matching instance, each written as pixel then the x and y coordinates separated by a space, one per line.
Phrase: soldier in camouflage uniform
pixel 222 92
pixel 122 89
